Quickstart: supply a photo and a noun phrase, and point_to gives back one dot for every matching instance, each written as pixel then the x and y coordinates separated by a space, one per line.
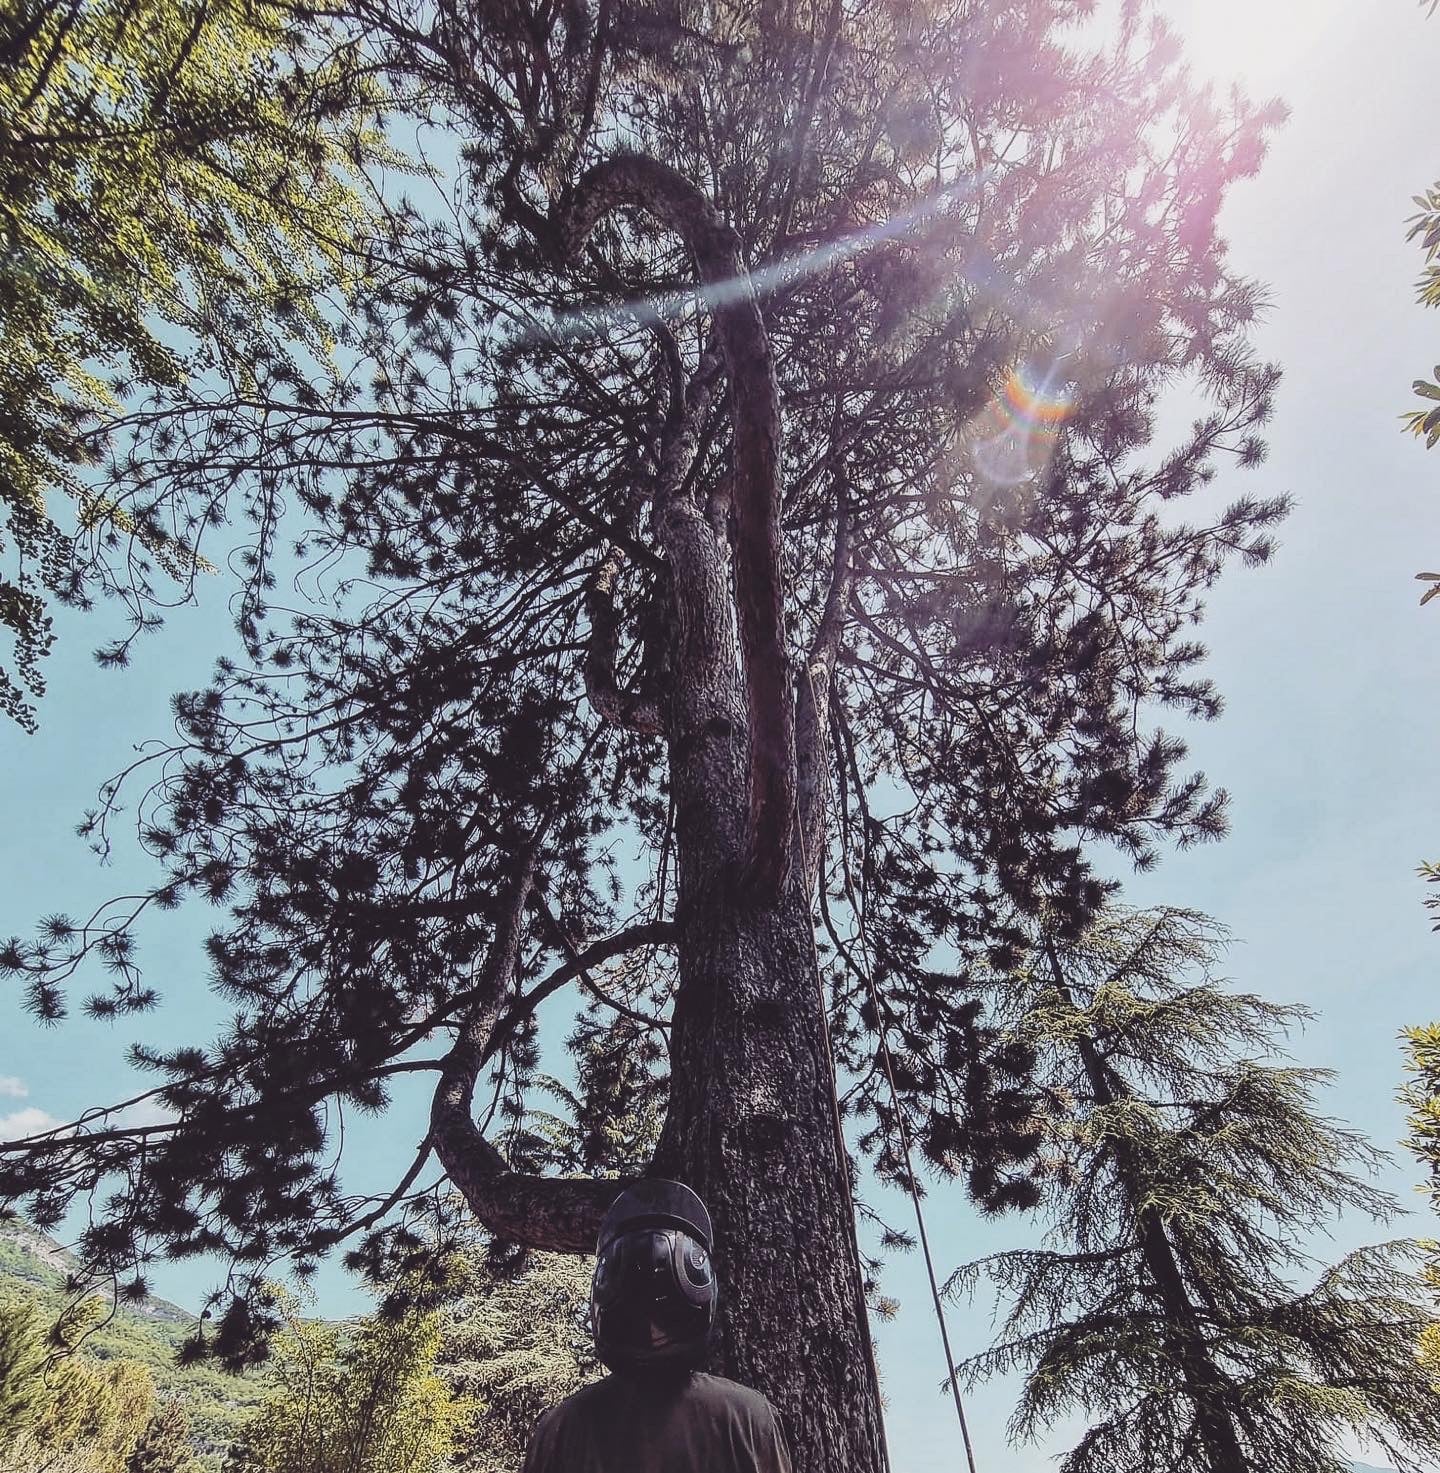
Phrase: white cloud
pixel 20 1123
pixel 30 1119
pixel 12 1088
pixel 147 1112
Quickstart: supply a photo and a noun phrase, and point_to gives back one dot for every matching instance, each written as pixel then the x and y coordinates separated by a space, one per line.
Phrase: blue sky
pixel 1328 743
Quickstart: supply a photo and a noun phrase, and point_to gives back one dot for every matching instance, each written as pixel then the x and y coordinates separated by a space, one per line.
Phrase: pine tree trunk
pixel 751 1127
pixel 1184 1335
pixel 751 1123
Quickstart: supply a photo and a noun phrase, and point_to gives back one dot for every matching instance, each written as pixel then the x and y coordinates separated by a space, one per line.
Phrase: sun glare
pixel 1265 45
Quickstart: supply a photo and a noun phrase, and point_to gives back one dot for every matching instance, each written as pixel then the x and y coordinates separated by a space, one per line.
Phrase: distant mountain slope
pixel 33 1258
pixel 34 1267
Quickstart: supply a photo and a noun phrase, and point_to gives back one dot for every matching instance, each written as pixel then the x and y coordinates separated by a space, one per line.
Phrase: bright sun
pixel 1263 44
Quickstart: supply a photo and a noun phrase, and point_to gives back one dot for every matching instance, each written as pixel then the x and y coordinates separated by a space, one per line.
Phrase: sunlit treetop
pixel 178 188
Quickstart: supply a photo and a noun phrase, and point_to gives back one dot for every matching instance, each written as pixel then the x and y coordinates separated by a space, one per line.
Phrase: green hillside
pixel 33 1267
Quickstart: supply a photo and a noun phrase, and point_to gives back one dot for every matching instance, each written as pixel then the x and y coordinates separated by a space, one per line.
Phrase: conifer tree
pixel 1186 1167
pixel 164 1445
pixel 22 1354
pixel 360 1397
pixel 1421 1096
pixel 515 1344
pixel 61 1409
pixel 857 581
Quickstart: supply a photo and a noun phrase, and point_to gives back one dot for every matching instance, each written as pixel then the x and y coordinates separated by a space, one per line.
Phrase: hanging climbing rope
pixel 867 972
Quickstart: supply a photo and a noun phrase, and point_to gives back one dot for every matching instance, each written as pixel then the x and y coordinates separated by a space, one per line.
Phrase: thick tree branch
pixel 812 724
pixel 612 705
pixel 755 417
pixel 559 1214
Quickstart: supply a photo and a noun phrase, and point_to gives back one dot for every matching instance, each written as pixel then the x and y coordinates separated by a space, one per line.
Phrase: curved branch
pixel 558 1214
pixel 754 398
pixel 648 933
pixel 587 981
pixel 612 705
pixel 647 1020
pixel 386 1204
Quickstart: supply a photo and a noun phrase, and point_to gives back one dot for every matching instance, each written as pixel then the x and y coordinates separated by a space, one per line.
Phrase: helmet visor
pixel 646 1302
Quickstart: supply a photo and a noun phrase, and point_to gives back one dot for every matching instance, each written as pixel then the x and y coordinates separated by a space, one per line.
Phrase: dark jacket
pixel 624 1424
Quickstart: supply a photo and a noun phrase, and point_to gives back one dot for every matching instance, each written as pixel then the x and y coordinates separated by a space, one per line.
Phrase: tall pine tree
pixel 1186 1170
pixel 748 464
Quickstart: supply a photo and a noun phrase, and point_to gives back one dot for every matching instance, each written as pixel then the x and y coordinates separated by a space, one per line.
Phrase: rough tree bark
pixel 752 1122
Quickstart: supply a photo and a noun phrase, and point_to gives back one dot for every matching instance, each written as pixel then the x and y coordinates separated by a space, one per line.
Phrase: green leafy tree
pixel 97 1408
pixel 1185 1173
pixel 750 465
pixel 22 1357
pixel 63 1409
pixel 362 1397
pixel 173 201
pixel 515 1345
pixel 141 1330
pixel 164 1446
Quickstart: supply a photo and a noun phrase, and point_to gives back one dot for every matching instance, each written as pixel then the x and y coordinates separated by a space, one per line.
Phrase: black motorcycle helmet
pixel 653 1297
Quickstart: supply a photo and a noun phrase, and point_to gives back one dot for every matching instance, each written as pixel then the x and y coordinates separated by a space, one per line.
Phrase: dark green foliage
pixel 941 201
pixel 359 1397
pixel 1184 1173
pixel 164 1445
pixel 612 1117
pixel 516 1345
pixel 22 1354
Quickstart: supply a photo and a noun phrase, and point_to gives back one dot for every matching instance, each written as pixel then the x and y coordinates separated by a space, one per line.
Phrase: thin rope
pixel 920 1222
pixel 953 1379
pixel 844 1158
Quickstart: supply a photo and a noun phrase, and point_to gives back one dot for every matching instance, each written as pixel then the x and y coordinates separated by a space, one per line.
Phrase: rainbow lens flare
pixel 1014 436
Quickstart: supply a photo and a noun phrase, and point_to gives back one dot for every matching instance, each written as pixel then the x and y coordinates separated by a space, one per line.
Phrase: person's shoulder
pixel 719 1390
pixel 578 1403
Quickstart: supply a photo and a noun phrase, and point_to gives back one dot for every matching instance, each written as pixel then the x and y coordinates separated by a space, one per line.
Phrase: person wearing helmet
pixel 652 1311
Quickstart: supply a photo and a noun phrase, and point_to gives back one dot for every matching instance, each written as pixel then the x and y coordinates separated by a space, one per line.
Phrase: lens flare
pixel 1013 437
pixel 596 322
